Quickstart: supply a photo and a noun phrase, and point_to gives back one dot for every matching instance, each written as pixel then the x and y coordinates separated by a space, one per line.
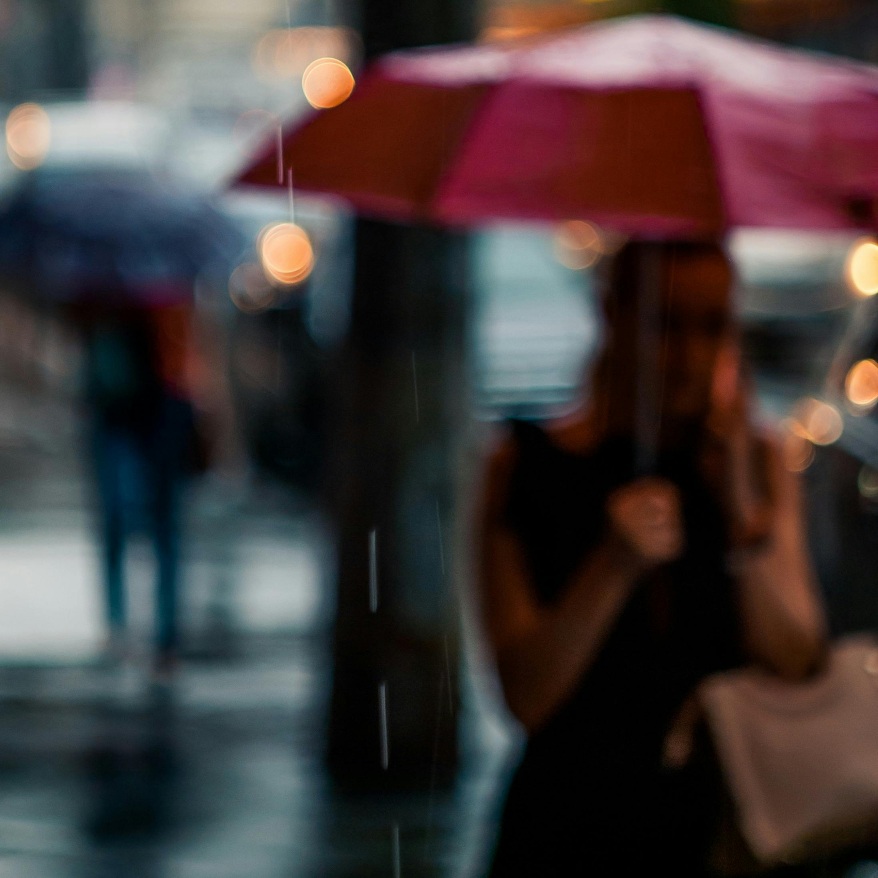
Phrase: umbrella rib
pixel 711 140
pixel 490 94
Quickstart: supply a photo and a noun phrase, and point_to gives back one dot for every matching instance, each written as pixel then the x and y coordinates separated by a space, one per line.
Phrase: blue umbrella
pixel 80 233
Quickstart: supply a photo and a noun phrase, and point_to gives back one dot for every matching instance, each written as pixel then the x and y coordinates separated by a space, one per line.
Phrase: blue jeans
pixel 141 472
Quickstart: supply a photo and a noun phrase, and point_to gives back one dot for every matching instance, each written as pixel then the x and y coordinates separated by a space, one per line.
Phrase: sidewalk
pixel 226 779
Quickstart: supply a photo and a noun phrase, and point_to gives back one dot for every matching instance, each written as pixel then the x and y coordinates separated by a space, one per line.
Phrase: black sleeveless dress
pixel 591 797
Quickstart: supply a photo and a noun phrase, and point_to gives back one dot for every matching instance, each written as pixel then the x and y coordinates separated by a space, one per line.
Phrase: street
pixel 224 777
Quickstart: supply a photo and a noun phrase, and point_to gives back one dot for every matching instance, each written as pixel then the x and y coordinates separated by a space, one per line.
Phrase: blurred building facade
pixel 43 46
pixel 845 27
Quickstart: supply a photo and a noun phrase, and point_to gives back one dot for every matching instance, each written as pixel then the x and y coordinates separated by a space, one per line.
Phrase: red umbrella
pixel 650 124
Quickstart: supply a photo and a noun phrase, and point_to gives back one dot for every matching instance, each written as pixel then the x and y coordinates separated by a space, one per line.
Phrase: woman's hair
pixel 638 266
pixel 625 273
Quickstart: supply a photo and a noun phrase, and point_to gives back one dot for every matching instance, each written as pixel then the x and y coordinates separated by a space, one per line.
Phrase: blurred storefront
pixel 846 27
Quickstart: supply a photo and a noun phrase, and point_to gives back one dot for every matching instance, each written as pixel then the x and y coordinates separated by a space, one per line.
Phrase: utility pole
pixel 44 49
pixel 400 408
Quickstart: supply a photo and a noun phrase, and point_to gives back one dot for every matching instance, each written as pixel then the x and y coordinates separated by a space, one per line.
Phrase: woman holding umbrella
pixel 608 592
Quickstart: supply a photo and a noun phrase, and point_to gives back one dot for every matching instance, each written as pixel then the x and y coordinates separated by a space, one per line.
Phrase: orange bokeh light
pixel 250 290
pixel 861 383
pixel 797 451
pixel 28 135
pixel 327 82
pixel 861 269
pixel 817 421
pixel 578 244
pixel 286 253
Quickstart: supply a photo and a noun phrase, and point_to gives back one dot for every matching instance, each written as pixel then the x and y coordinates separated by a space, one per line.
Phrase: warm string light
pixel 817 421
pixel 250 290
pixel 861 268
pixel 28 135
pixel 578 244
pixel 813 422
pixel 861 384
pixel 327 82
pixel 286 253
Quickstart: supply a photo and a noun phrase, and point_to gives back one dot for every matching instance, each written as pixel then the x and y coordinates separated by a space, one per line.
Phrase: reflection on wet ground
pixel 222 777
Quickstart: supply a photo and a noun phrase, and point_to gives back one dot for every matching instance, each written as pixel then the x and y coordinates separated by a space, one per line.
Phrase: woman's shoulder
pixel 576 432
pixel 517 442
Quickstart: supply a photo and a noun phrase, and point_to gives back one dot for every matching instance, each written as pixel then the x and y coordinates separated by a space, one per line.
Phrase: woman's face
pixel 684 337
pixel 697 324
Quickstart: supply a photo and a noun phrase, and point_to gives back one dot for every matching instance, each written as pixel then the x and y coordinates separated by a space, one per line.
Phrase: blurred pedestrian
pixel 609 590
pixel 143 444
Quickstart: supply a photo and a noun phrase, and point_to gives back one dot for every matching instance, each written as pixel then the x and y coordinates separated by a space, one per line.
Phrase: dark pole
pixel 68 68
pixel 399 413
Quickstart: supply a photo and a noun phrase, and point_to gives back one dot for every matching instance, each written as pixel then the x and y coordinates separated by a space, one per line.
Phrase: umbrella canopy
pixel 650 124
pixel 76 232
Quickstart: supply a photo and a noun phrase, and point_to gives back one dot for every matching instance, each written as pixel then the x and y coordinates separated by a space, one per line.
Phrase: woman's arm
pixel 782 615
pixel 542 651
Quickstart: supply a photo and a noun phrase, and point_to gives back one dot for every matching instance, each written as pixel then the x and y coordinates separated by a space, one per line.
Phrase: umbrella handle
pixel 648 387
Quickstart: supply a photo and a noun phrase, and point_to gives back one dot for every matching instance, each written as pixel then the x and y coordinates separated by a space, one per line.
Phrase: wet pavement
pixel 222 775
pixel 225 779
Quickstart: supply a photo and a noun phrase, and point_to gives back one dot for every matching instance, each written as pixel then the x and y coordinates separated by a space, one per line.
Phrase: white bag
pixel 800 759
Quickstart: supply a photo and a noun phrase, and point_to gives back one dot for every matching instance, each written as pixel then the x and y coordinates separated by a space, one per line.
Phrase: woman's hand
pixel 734 459
pixel 646 518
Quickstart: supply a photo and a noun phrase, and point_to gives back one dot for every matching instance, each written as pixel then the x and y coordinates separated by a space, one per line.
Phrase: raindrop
pixel 280 155
pixel 373 570
pixel 385 742
pixel 290 192
pixel 397 860
pixel 441 546
pixel 415 380
pixel 448 675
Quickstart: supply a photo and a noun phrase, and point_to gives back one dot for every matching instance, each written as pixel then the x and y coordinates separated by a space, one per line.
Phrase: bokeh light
pixel 861 268
pixel 286 253
pixel 327 82
pixel 861 383
pixel 285 53
pixel 797 451
pixel 578 244
pixel 817 421
pixel 502 33
pixel 867 482
pixel 250 290
pixel 28 135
